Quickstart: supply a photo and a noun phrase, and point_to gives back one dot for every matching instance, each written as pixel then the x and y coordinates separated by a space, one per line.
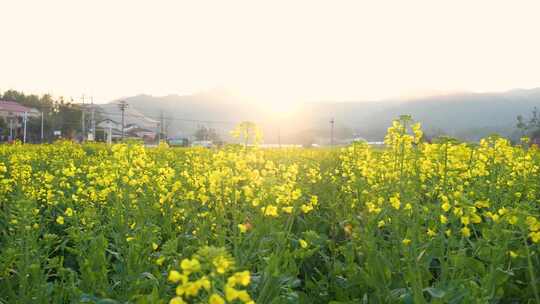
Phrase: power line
pixel 157 119
pixel 96 110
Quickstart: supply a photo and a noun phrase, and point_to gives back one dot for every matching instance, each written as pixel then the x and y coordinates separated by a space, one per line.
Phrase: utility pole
pixel 11 128
pixel 279 136
pixel 25 118
pixel 161 124
pixel 42 125
pixel 123 105
pixel 158 133
pixel 93 119
pixel 83 120
pixel 332 131
pixel 165 127
pixel 109 134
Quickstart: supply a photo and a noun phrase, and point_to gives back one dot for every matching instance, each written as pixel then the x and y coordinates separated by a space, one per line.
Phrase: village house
pixel 13 114
pixel 110 130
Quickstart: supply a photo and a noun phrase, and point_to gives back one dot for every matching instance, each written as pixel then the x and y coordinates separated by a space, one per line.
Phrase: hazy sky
pixel 274 50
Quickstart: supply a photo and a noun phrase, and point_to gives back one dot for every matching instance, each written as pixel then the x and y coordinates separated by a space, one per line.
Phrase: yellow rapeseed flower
pixel 443 219
pixel 242 228
pixel 466 232
pixel 270 210
pixel 216 299
pixel 69 212
pixel 306 208
pixel 445 206
pixel 177 300
pixel 288 209
pixel 394 201
pixel 240 278
pixel 448 232
pixel 160 260
pixel 175 276
pixel 190 266
pixel 535 236
pixel 475 218
pixel 231 294
pixel 60 220
pixel 222 264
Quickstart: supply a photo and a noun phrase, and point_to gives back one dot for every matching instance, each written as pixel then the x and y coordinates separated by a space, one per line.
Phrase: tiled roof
pixel 13 107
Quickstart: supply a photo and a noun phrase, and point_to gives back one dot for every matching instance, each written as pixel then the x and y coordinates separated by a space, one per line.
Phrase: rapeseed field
pixel 416 222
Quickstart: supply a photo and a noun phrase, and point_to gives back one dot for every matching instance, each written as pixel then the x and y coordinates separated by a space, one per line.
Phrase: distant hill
pixel 468 116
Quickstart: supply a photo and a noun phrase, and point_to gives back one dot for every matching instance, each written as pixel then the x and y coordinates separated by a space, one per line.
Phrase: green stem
pixel 531 270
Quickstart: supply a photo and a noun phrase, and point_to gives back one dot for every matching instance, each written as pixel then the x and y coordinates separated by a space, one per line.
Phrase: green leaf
pixel 435 292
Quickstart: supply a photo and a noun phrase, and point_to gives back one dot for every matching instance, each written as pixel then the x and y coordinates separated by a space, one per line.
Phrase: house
pixel 108 130
pixel 111 130
pixel 136 124
pixel 13 115
pixel 535 138
pixel 13 108
pixel 147 135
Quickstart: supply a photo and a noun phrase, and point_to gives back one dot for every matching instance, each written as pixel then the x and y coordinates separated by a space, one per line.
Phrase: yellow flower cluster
pixel 534 228
pixel 464 188
pixel 202 277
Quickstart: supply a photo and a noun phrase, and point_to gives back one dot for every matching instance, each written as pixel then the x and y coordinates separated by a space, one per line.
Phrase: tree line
pixel 531 126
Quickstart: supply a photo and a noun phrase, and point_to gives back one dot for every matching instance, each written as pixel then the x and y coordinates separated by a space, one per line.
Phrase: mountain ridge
pixel 466 115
